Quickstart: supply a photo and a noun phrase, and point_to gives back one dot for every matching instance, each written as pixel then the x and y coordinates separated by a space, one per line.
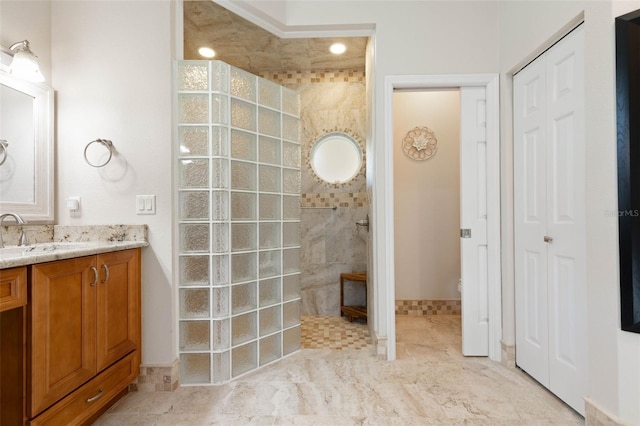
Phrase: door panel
pixel 549 211
pixel 473 215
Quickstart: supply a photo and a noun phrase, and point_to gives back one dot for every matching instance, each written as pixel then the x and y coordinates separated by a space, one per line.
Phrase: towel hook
pixel 107 144
pixel 3 151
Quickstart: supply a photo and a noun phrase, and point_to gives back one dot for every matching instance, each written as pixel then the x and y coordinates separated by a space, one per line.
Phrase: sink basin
pixel 13 252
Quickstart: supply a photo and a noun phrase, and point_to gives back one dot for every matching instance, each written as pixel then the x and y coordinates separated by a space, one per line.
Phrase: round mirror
pixel 336 158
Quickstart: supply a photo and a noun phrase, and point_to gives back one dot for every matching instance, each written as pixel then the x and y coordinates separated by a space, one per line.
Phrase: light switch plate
pixel 145 204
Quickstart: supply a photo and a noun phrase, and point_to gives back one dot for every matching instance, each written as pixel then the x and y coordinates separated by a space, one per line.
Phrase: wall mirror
pixel 26 150
pixel 336 158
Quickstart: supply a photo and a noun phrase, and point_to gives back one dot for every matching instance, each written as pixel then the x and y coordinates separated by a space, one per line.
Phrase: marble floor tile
pixel 430 383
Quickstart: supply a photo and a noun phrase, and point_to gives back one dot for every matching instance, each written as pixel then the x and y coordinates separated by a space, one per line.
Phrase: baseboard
pixel 428 307
pixel 157 378
pixel 508 355
pixel 595 415
pixel 380 345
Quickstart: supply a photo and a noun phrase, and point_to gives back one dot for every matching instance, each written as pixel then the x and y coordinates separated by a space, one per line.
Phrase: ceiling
pixel 245 45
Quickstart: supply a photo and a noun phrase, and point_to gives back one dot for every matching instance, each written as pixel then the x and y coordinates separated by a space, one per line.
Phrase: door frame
pixel 385 303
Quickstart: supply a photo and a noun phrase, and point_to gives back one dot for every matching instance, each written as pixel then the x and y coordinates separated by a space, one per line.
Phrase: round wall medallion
pixel 420 143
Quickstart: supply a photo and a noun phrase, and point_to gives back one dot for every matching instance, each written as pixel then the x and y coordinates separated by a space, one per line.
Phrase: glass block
pixel 195 368
pixel 219 76
pixel 269 291
pixel 269 179
pixel 270 348
pixel 243 115
pixel 243 145
pixel 243 84
pixel 268 93
pixel 219 109
pixel 290 154
pixel 219 141
pixel 221 334
pixel 291 181
pixel 194 173
pixel 291 314
pixel 290 234
pixel 269 263
pixel 194 205
pixel 291 207
pixel 194 237
pixel 194 303
pixel 220 237
pixel 290 102
pixel 194 141
pixel 269 150
pixel 243 176
pixel 244 328
pixel 244 297
pixel 243 236
pixel 243 359
pixel 269 122
pixel 243 267
pixel 219 173
pixel 291 260
pixel 269 235
pixel 220 205
pixel 243 206
pixel 290 128
pixel 291 287
pixel 269 207
pixel 221 367
pixel 270 320
pixel 193 108
pixel 194 270
pixel 220 302
pixel 290 340
pixel 220 270
pixel 194 336
pixel 193 76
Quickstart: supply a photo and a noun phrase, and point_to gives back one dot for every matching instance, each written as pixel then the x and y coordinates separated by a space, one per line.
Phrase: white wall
pixel 427 197
pixel 111 68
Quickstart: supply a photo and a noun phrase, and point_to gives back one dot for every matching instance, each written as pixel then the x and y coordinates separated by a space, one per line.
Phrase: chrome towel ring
pixel 107 144
pixel 3 151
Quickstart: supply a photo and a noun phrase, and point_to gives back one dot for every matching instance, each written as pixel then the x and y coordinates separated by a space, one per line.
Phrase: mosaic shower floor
pixel 333 332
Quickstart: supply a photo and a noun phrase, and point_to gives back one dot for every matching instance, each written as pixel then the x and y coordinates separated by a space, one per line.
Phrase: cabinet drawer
pixel 13 288
pixel 87 400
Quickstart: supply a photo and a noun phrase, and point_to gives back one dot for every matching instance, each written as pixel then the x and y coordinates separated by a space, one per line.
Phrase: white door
pixel 473 222
pixel 549 220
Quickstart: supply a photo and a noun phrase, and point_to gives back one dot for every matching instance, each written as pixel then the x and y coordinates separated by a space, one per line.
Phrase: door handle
pixel 548 239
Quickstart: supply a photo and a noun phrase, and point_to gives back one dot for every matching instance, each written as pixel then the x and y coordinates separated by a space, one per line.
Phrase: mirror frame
pixel 42 209
pixel 321 138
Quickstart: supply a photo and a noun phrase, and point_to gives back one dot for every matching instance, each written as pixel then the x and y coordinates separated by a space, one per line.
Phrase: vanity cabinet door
pixel 62 324
pixel 118 311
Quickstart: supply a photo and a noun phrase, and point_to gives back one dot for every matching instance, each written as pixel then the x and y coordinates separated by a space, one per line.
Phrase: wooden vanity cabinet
pixel 83 335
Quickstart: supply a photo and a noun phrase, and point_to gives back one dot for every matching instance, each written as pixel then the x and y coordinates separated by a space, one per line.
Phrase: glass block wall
pixel 239 219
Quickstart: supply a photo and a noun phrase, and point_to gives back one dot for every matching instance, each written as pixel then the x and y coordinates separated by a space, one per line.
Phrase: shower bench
pixel 352 312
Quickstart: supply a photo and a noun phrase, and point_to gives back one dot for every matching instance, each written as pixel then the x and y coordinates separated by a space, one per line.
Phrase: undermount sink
pixel 12 252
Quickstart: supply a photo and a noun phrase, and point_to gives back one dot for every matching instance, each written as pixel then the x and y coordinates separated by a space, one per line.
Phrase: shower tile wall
pixel 331 242
pixel 239 221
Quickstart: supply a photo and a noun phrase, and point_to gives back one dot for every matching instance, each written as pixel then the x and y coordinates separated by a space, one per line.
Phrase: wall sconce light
pixel 25 63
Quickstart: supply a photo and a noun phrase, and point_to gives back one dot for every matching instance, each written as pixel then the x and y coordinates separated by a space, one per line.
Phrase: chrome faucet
pixel 20 221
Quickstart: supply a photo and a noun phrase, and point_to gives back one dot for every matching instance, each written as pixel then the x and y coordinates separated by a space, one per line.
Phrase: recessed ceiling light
pixel 207 52
pixel 338 48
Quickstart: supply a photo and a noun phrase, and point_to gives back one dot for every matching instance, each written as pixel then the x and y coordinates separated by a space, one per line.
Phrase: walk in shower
pixel 238 185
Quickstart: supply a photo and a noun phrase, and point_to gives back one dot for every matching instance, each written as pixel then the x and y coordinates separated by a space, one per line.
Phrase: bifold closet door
pixel 549 209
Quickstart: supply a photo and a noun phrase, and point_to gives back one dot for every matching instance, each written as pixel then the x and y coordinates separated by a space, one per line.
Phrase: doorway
pixel 490 198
